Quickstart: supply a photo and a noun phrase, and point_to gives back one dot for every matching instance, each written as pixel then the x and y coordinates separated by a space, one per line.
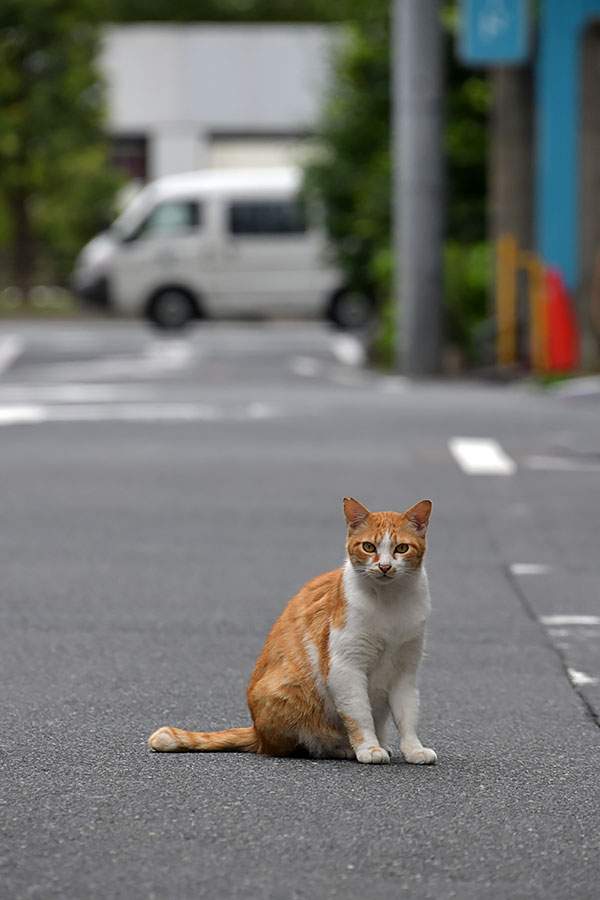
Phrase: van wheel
pixel 172 308
pixel 351 309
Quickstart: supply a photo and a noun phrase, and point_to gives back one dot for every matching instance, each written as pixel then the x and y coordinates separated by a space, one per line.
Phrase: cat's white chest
pixel 376 632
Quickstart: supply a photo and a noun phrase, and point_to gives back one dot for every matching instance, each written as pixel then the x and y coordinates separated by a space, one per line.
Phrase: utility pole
pixel 417 154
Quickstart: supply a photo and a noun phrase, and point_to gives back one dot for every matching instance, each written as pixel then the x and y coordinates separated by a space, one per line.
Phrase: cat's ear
pixel 355 513
pixel 418 516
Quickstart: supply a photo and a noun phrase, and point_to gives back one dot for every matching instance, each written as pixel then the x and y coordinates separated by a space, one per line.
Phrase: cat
pixel 343 654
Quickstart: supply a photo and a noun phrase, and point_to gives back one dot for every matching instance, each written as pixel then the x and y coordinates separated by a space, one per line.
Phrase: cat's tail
pixel 176 739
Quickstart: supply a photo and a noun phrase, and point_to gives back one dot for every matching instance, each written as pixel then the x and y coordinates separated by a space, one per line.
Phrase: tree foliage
pixel 55 183
pixel 352 173
pixel 237 10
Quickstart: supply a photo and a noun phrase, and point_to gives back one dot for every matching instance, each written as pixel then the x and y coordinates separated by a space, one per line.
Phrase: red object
pixel 563 330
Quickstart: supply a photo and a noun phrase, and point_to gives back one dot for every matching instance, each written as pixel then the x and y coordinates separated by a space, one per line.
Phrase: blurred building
pixel 183 97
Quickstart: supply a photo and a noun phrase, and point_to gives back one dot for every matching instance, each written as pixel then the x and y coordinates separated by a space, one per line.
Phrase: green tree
pixel 351 172
pixel 55 184
pixel 235 10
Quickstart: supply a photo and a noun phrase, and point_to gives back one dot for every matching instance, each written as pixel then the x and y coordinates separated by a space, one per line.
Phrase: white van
pixel 217 243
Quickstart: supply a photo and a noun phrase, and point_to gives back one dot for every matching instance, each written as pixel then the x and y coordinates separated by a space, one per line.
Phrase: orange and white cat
pixel 343 654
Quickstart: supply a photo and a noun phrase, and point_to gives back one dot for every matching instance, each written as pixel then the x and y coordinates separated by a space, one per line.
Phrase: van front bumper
pixel 94 292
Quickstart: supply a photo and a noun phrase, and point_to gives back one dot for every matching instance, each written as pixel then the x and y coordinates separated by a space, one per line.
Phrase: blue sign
pixel 494 32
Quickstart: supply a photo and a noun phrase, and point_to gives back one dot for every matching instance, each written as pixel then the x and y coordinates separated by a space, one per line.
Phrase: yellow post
pixel 506 300
pixel 538 324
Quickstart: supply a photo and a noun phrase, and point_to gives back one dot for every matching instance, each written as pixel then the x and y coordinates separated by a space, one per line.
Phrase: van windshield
pixel 133 214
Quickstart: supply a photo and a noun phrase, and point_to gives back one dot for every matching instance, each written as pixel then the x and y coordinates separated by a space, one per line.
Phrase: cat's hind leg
pixel 274 743
pixel 342 752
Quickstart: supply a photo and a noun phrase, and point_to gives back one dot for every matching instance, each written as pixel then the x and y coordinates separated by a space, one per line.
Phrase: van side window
pixel 257 217
pixel 170 217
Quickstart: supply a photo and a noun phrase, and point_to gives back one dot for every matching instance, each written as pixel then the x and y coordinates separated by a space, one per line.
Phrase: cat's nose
pixel 384 569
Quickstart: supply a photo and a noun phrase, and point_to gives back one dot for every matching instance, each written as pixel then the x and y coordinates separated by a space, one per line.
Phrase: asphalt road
pixel 161 502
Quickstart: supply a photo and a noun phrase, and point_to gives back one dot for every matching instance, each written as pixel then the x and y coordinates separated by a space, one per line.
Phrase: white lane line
pixel 11 347
pixel 134 412
pixel 481 456
pixel 529 569
pixel 157 357
pixel 570 620
pixel 580 678
pixel 72 393
pixel 21 415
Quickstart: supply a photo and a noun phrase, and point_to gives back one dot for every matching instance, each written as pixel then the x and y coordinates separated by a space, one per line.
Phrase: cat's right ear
pixel 355 513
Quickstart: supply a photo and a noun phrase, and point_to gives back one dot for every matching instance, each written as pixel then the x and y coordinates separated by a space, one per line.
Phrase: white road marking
pixel 529 569
pixel 21 415
pixel 133 412
pixel 582 632
pixel 176 353
pixel 157 357
pixel 580 678
pixel 350 374
pixel 570 620
pixel 481 456
pixel 561 633
pixel 11 348
pixel 348 350
pixel 72 393
pixel 560 464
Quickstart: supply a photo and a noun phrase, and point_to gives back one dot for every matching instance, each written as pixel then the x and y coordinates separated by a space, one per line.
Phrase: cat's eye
pixel 369 547
pixel 401 548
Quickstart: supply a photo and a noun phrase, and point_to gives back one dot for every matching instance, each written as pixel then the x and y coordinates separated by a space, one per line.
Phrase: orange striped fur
pixel 298 693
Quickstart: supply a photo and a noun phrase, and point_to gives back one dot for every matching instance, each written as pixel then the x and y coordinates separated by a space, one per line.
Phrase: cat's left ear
pixel 418 515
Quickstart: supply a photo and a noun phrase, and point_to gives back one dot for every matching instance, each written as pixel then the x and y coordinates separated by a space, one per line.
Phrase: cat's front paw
pixel 421 756
pixel 368 754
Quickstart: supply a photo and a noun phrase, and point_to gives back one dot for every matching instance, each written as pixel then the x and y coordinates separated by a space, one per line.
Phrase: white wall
pixel 181 84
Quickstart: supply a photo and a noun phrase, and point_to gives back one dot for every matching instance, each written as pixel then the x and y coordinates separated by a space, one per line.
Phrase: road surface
pixel 162 499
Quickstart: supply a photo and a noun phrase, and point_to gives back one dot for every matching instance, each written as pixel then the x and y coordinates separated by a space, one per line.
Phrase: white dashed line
pixel 27 394
pixel 570 620
pixel 481 456
pixel 529 569
pixel 21 415
pixel 578 679
pixel 10 348
pixel 133 412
